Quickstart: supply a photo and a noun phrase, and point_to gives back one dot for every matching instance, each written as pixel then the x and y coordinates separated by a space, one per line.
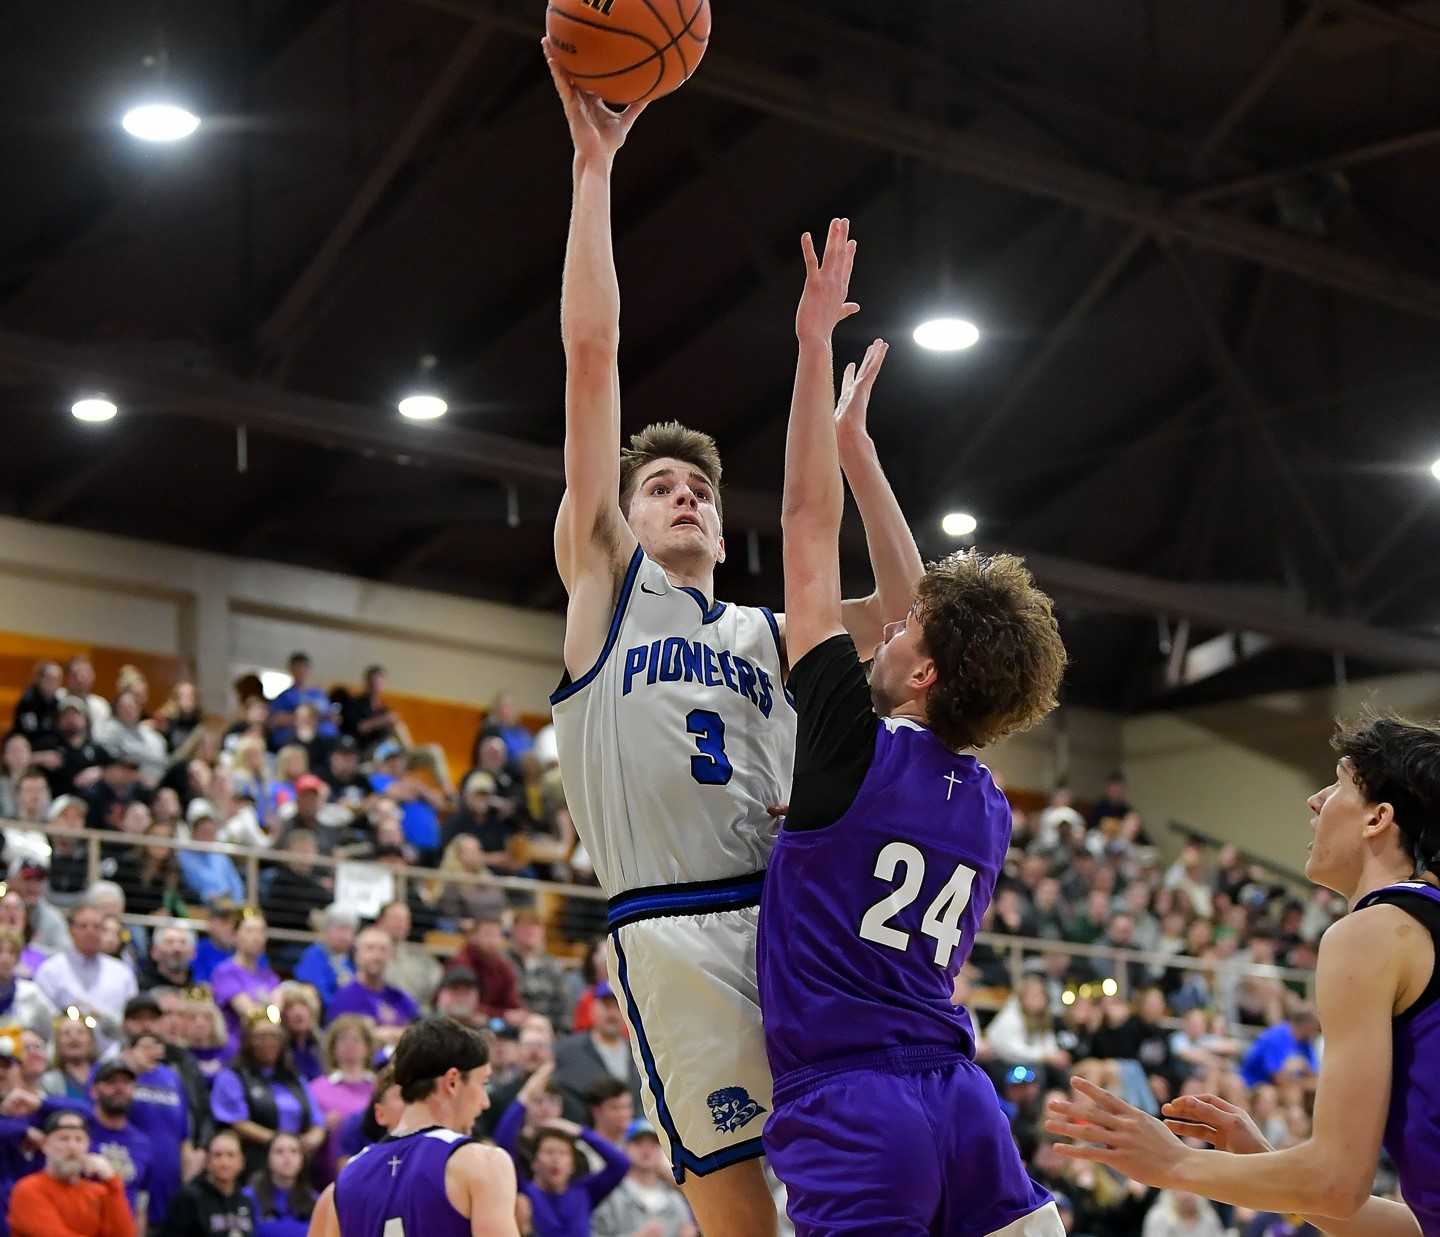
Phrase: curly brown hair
pixel 668 440
pixel 997 649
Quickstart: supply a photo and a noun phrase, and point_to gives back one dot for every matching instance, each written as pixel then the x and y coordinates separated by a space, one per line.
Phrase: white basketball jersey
pixel 677 740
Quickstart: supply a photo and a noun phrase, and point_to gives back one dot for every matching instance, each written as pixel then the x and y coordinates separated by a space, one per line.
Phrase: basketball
pixel 628 51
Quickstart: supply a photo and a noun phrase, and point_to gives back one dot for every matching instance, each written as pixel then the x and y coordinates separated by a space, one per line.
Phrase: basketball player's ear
pixel 923 677
pixel 1382 816
pixel 720 558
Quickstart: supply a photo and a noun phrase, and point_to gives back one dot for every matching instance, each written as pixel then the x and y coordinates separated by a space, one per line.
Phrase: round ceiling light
pixel 160 122
pixel 947 335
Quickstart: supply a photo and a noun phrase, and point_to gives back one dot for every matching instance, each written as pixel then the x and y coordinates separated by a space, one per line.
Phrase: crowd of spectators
pixel 221 1078
pixel 1190 1015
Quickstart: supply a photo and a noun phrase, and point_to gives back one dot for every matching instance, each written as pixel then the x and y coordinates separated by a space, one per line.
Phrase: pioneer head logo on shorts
pixel 732 1108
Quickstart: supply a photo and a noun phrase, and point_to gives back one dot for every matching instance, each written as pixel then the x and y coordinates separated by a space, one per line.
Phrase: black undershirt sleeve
pixel 835 733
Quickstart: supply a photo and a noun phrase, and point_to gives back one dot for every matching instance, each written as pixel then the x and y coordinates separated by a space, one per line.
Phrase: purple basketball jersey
pixel 396 1188
pixel 864 923
pixel 1412 1130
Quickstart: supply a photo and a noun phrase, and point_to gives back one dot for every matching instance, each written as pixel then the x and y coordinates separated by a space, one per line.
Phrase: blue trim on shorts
pixel 681 1158
pixel 698 898
pixel 621 603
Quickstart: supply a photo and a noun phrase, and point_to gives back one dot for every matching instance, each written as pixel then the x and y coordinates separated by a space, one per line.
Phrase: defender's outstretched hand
pixel 1217 1122
pixel 827 284
pixel 596 131
pixel 1109 1131
pixel 855 389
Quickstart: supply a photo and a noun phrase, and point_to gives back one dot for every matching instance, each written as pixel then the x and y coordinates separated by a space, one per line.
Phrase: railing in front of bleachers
pixel 1015 950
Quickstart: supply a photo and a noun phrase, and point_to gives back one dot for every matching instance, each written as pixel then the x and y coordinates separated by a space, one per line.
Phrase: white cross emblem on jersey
pixel 954 782
pixel 394 1161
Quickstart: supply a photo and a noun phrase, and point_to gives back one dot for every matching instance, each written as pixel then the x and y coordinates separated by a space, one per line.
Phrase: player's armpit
pixel 592 574
pixel 490 1180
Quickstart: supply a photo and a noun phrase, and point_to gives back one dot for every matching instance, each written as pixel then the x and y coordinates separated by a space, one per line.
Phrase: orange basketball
pixel 626 51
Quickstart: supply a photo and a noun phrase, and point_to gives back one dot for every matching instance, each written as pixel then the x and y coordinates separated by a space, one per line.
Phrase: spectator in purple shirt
pixel 560 1197
pixel 160 1111
pixel 260 1093
pixel 127 1148
pixel 391 1009
pixel 244 985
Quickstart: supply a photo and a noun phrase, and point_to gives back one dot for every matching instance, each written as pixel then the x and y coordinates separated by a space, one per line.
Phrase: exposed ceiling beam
pixel 1254 90
pixel 488 331
pixel 1360 575
pixel 1055 339
pixel 1389 148
pixel 1248 400
pixel 1089 585
pixel 151 386
pixel 1405 29
pixel 835 109
pixel 273 332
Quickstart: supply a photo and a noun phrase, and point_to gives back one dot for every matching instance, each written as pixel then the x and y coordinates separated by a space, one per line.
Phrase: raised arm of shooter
pixel 894 557
pixel 591 537
pixel 814 498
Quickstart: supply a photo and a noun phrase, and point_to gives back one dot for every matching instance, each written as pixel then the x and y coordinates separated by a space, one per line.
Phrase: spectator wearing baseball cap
pixel 458 996
pixel 647 1200
pixel 69 856
pixel 78 1194
pixel 209 877
pixel 397 778
pixel 129 1150
pixel 30 878
pixel 72 760
pixel 348 785
pixel 118 787
pixel 161 1107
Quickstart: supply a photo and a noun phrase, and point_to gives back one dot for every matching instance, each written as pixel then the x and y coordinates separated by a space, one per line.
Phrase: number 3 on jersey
pixel 942 916
pixel 711 767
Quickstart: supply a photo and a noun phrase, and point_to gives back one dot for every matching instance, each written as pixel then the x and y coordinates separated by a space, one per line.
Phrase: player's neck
pixel 422 1115
pixel 691 574
pixel 1376 875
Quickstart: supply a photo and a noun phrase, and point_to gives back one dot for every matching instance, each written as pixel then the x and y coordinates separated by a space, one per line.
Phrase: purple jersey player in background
pixel 889 853
pixel 427 1178
pixel 1377 843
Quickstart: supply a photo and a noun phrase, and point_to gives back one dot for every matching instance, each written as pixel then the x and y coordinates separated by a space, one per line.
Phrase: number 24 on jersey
pixel 941 921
